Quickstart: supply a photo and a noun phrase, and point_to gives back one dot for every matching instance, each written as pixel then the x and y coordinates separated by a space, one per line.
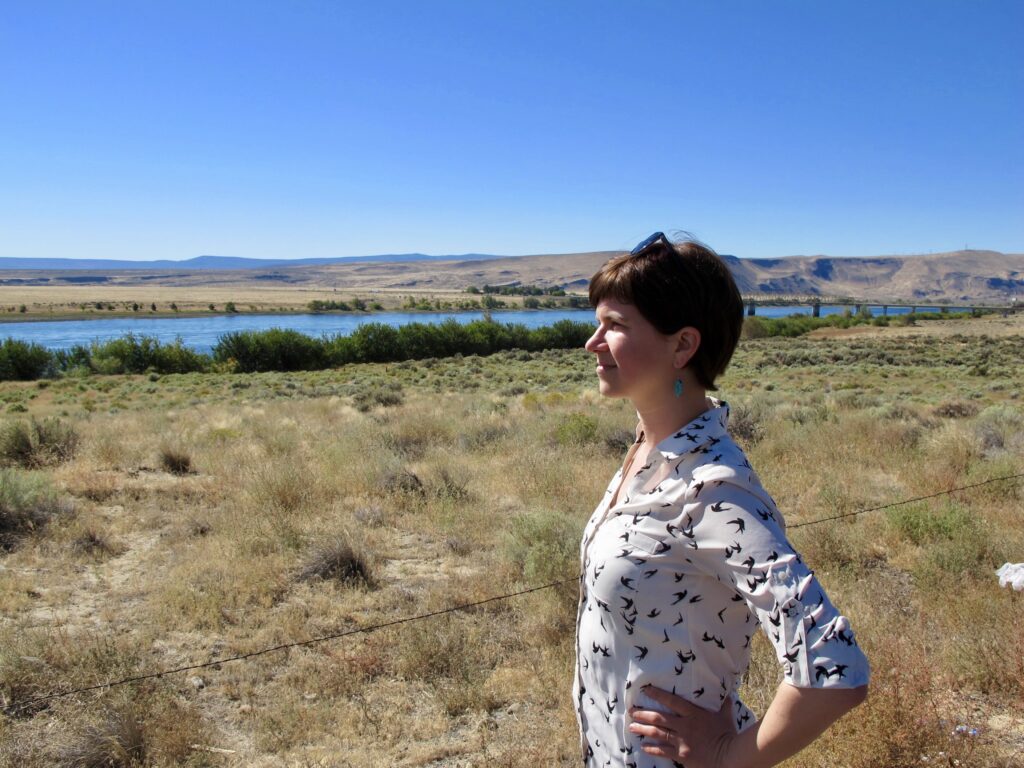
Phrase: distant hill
pixel 978 276
pixel 956 276
pixel 215 262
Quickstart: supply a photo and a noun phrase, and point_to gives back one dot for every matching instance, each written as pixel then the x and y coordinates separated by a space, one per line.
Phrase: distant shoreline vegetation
pixel 797 325
pixel 555 298
pixel 279 349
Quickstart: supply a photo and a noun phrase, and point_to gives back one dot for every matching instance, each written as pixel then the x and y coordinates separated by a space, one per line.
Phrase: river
pixel 202 333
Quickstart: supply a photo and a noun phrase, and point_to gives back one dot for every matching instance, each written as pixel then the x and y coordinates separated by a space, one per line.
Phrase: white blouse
pixel 677 576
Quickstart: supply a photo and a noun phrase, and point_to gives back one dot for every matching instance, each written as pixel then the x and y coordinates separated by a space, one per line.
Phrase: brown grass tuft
pixel 37 443
pixel 338 561
pixel 175 461
pixel 402 481
pixel 117 741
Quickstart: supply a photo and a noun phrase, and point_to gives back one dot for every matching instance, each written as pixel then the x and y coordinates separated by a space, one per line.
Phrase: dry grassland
pixel 207 516
pixel 43 303
pixel 283 288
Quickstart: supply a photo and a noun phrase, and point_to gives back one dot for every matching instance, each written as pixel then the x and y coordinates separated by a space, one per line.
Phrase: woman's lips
pixel 602 367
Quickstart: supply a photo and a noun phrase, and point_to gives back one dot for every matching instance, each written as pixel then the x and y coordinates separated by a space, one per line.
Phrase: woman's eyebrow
pixel 609 314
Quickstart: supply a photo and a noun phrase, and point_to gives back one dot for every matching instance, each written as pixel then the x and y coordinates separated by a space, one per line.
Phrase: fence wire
pixel 905 501
pixel 27 703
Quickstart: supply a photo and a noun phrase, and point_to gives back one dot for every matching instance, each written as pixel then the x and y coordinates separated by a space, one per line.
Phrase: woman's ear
pixel 688 341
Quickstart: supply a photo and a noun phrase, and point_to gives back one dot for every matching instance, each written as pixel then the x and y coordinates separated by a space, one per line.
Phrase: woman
pixel 687 553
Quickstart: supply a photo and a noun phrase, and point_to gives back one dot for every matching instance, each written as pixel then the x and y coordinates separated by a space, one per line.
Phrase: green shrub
pixel 754 328
pixel 24 361
pixel 140 354
pixel 376 343
pixel 476 437
pixel 799 324
pixel 418 340
pixel 920 524
pixel 76 359
pixel 1000 427
pixel 27 503
pixel 276 349
pixel 577 429
pixel 318 305
pixel 944 562
pixel 544 547
pixel 385 394
pixel 564 334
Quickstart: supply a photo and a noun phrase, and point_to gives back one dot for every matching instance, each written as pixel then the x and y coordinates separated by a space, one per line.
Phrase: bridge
pixel 855 305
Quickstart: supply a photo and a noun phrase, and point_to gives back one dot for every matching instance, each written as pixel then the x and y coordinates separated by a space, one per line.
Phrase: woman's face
pixel 634 359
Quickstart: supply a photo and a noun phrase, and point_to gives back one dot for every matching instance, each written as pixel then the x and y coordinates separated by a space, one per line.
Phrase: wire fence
pixel 24 705
pixel 906 501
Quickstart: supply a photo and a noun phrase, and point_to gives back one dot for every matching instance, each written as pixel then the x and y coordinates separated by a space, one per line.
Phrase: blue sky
pixel 146 130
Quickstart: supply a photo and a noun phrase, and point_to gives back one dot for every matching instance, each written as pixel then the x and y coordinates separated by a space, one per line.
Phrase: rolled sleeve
pixel 743 543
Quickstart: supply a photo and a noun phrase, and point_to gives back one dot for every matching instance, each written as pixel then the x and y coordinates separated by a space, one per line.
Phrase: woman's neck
pixel 665 418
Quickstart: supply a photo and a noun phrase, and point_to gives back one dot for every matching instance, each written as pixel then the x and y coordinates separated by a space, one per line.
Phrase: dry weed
pixel 338 560
pixel 175 460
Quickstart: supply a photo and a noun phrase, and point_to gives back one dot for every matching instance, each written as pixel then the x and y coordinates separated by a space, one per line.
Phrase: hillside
pixel 960 275
pixel 981 276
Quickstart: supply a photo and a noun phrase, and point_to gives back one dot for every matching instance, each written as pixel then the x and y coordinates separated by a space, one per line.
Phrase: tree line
pixel 281 349
pixel 518 290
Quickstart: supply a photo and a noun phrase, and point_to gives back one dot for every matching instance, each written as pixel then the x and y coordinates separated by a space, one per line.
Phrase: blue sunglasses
pixel 654 239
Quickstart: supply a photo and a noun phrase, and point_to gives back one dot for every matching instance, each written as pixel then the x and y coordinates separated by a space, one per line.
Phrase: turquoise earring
pixel 678 388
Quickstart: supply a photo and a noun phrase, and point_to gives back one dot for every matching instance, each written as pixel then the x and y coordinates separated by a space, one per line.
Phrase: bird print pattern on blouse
pixel 676 578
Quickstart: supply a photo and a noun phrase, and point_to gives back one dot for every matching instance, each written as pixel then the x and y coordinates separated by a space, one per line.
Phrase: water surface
pixel 202 333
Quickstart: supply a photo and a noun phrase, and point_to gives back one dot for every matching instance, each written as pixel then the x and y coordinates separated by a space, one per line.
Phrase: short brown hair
pixel 675 285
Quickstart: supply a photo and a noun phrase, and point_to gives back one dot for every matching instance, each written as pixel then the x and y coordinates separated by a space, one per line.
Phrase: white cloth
pixel 1011 575
pixel 676 577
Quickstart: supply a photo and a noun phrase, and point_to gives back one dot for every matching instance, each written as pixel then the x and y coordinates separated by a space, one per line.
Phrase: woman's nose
pixel 594 341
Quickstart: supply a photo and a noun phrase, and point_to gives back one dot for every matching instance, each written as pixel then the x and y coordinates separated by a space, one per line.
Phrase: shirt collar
pixel 712 425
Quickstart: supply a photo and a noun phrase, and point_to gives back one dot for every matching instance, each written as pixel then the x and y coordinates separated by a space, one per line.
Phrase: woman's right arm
pixel 795 718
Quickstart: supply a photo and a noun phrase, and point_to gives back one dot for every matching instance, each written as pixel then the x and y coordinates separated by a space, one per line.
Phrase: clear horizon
pixel 166 131
pixel 471 255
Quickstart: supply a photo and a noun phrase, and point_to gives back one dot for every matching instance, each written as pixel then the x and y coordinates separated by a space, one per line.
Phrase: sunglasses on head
pixel 657 237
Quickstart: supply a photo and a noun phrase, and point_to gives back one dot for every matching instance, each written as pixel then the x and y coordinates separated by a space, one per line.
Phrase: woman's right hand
pixel 690 733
